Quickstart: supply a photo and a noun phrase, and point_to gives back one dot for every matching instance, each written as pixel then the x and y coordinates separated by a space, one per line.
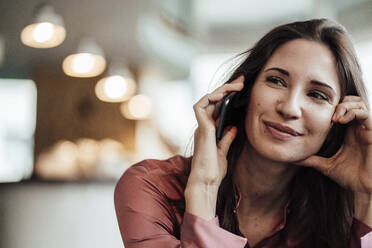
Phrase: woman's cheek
pixel 319 126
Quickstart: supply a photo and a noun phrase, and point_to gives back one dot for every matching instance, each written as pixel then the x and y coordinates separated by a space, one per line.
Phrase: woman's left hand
pixel 351 166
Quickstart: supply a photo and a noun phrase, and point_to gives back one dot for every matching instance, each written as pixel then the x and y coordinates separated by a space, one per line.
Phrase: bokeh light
pixel 115 88
pixel 43 35
pixel 84 65
pixel 138 107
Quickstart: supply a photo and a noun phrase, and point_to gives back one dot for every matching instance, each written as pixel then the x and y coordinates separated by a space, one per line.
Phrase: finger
pixel 227 139
pixel 216 111
pixel 344 107
pixel 352 114
pixel 235 85
pixel 201 112
pixel 205 107
pixel 218 94
pixel 238 80
pixel 208 99
pixel 209 110
pixel 215 97
pixel 219 101
pixel 359 114
pixel 351 98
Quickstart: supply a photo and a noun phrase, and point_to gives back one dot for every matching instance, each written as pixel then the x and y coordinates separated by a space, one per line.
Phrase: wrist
pixel 363 207
pixel 201 200
pixel 199 180
pixel 362 198
pixel 201 189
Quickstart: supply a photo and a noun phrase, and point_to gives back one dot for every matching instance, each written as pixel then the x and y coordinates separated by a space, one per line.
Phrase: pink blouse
pixel 150 208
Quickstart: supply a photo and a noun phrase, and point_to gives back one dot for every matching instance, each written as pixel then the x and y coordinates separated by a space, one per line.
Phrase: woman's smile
pixel 281 132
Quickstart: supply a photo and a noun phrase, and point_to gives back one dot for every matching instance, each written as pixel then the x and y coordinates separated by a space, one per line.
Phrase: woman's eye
pixel 276 81
pixel 319 96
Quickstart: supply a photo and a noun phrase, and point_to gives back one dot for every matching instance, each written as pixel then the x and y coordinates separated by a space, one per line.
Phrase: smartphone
pixel 225 114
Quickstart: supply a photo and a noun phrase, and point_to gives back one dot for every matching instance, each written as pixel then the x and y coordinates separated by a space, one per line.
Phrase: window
pixel 17 127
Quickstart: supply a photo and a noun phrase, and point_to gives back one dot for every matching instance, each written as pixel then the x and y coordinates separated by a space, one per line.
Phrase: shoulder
pixel 164 177
pixel 175 164
pixel 149 195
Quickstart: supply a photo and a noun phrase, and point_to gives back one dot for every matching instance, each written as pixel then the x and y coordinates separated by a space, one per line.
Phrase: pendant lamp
pixel 88 61
pixel 117 86
pixel 47 29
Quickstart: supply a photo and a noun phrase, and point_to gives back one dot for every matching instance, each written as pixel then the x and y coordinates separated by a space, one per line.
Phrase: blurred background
pixel 89 87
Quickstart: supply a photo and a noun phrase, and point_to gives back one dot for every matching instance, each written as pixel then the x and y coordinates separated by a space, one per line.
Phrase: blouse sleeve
pixel 197 232
pixel 145 220
pixel 361 235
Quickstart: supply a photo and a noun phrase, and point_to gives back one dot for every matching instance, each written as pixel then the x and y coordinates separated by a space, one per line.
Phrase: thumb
pixel 317 162
pixel 227 138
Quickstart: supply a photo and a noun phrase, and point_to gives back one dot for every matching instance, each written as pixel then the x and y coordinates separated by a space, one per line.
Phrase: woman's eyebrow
pixel 286 73
pixel 282 71
pixel 322 84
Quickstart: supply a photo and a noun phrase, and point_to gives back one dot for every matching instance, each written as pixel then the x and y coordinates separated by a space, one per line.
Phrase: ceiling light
pixel 138 107
pixel 47 29
pixel 89 60
pixel 118 86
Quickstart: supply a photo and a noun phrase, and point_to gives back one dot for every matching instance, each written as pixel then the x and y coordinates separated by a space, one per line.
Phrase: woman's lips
pixel 281 131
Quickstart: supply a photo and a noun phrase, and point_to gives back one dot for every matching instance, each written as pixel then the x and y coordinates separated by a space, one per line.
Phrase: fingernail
pixel 230 129
pixel 241 78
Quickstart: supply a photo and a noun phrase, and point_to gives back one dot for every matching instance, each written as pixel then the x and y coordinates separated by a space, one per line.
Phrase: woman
pixel 295 170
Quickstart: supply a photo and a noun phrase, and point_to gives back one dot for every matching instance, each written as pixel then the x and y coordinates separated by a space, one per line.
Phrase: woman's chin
pixel 286 156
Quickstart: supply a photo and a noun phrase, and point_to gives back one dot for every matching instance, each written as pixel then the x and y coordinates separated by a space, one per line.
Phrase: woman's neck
pixel 263 183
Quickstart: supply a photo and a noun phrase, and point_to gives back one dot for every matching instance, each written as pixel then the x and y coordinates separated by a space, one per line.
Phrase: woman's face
pixel 292 101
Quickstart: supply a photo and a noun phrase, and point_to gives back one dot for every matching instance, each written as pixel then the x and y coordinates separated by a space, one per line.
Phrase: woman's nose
pixel 289 106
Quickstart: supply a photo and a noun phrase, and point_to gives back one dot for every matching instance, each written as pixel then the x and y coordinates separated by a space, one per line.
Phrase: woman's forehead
pixel 305 59
pixel 307 52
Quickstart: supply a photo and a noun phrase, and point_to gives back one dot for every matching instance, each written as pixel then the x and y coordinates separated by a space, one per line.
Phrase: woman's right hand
pixel 209 163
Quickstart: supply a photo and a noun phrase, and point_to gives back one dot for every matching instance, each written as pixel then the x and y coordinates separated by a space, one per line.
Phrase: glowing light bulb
pixel 43 35
pixel 138 108
pixel 43 32
pixel 83 63
pixel 115 87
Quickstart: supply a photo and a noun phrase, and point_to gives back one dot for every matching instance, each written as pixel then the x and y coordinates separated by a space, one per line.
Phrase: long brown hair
pixel 321 210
